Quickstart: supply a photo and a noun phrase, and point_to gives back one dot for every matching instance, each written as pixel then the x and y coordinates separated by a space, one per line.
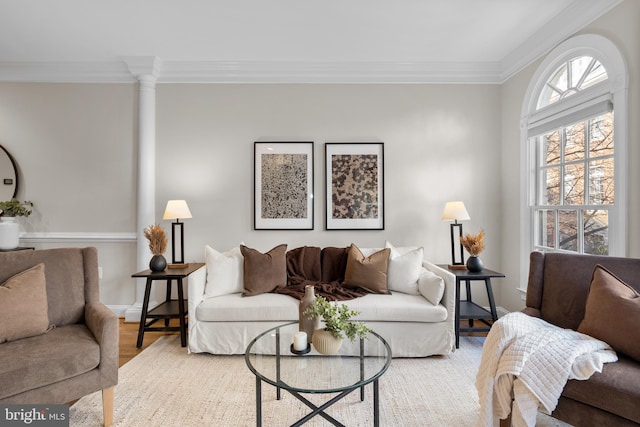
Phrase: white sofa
pixel 411 324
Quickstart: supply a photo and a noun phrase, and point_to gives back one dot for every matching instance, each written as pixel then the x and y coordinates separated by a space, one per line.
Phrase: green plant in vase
pixel 14 207
pixel 337 319
pixel 9 227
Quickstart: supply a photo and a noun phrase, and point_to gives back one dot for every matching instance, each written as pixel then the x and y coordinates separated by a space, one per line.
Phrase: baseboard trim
pixel 133 313
pixel 502 311
pixel 119 310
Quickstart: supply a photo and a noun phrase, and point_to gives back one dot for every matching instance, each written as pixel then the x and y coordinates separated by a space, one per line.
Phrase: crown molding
pixel 328 72
pixel 66 72
pixel 128 71
pixel 141 66
pixel 576 16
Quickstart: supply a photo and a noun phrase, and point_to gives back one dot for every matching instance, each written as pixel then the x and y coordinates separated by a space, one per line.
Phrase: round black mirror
pixel 8 176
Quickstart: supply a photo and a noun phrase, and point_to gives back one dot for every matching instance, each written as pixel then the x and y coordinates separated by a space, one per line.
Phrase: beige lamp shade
pixel 177 209
pixel 455 211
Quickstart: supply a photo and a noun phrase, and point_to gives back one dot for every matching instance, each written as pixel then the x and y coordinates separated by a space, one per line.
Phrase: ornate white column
pixel 146 70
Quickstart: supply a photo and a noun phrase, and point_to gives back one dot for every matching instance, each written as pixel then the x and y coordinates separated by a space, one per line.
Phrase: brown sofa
pixel 78 354
pixel 557 292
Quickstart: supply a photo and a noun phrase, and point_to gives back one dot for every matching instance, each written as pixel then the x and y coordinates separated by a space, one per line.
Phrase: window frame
pixel 576 107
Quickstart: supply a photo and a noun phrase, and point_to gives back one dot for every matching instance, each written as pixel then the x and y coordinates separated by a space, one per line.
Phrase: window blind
pixel 540 124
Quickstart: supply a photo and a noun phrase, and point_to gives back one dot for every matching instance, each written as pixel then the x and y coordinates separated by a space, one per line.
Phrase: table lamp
pixel 177 209
pixel 455 211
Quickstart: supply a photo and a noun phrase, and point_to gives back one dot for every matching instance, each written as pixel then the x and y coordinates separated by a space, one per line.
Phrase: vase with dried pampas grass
pixel 157 245
pixel 474 244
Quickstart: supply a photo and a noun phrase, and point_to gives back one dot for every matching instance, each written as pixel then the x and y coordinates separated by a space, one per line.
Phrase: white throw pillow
pixel 367 252
pixel 404 269
pixel 224 272
pixel 431 286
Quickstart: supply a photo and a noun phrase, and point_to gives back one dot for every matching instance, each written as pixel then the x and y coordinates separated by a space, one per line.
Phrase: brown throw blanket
pixel 304 268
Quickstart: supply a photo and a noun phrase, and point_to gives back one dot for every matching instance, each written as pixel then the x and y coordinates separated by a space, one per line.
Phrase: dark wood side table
pixel 468 309
pixel 170 308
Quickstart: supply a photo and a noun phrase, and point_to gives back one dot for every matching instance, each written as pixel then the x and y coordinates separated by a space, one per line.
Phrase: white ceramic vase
pixel 325 343
pixel 9 233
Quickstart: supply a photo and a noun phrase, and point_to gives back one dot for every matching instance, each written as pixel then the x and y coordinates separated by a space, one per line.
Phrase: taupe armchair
pixel 78 354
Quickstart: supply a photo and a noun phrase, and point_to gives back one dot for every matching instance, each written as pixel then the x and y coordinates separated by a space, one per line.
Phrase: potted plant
pixel 14 207
pixel 474 244
pixel 337 325
pixel 157 245
pixel 9 229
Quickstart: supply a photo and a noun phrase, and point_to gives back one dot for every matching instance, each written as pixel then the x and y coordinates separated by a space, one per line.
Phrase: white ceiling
pixel 283 40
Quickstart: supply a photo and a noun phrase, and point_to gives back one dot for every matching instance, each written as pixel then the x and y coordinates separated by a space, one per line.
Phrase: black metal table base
pixel 319 410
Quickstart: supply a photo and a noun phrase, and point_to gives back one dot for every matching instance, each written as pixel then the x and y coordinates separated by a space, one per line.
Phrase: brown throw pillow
pixel 264 272
pixel 612 313
pixel 23 305
pixel 369 273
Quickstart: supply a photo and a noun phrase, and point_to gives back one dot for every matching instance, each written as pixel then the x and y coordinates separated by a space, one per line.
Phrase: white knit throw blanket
pixel 531 360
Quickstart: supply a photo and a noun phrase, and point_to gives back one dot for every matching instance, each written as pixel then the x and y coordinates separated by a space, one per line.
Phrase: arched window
pixel 571 77
pixel 574 149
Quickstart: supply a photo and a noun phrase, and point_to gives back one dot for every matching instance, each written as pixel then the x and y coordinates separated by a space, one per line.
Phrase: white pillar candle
pixel 300 341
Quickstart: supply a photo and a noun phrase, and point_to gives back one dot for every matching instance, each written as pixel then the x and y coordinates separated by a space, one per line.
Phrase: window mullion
pixel 587 158
pixel 586 73
pixel 555 89
pixel 537 152
pixel 556 227
pixel 563 142
pixel 580 232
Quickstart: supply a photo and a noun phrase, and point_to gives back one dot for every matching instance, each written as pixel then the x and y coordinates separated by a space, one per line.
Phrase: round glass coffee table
pixel 357 364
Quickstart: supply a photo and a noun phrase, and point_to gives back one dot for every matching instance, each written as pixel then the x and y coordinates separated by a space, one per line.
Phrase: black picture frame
pixel 283 185
pixel 354 174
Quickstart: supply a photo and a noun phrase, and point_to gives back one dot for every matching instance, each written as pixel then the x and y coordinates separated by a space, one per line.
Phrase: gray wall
pixel 438 143
pixel 75 146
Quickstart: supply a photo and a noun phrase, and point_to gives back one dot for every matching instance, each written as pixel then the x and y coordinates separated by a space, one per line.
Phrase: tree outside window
pixel 576 186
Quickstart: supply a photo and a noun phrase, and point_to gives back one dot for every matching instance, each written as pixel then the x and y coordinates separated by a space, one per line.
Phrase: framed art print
pixel 355 186
pixel 283 185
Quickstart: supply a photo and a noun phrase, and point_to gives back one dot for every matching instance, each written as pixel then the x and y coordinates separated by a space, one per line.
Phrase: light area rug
pixel 165 386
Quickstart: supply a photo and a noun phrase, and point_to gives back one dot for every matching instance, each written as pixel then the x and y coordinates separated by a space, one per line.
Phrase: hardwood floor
pixel 129 336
